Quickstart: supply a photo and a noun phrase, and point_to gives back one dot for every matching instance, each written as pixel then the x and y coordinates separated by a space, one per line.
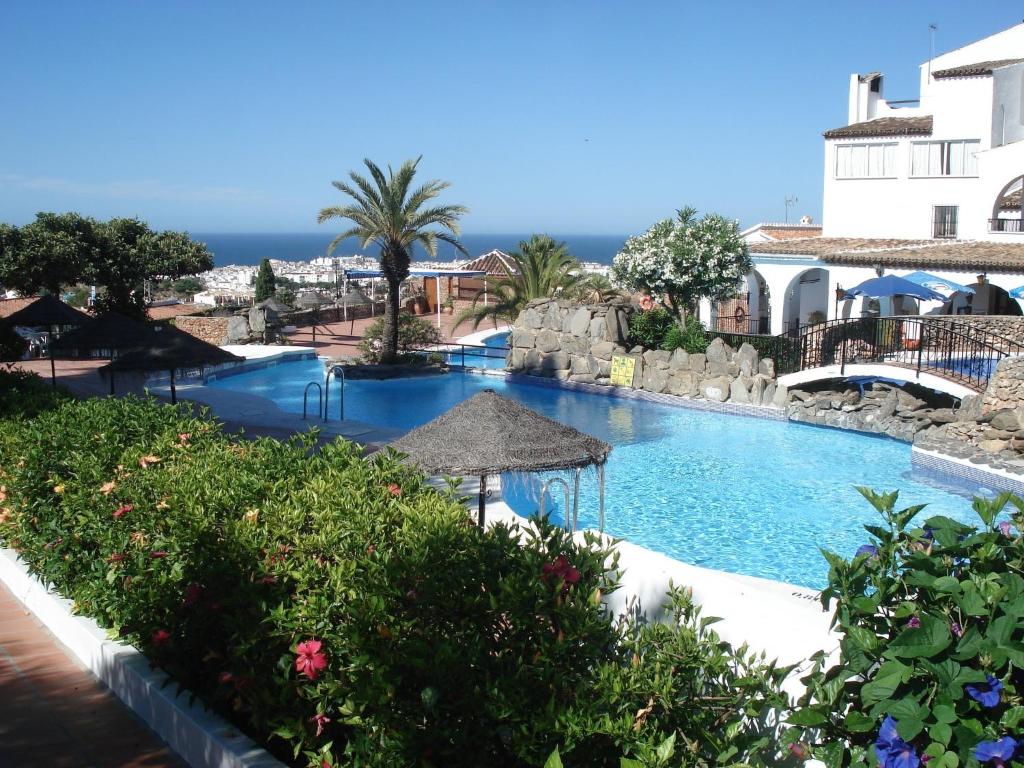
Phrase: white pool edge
pixel 200 737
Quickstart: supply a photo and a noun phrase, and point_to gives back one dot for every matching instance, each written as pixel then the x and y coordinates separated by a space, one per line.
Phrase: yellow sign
pixel 622 370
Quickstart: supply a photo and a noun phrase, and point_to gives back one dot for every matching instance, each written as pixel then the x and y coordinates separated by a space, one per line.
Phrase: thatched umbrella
pixel 277 306
pixel 110 333
pixel 168 349
pixel 51 312
pixel 490 434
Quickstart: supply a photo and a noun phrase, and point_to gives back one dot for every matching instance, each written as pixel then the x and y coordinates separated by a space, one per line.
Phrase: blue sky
pixel 564 117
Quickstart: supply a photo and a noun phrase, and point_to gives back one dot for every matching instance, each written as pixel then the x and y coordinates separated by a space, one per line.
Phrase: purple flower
pixel 928 534
pixel 867 549
pixel 914 622
pixel 891 750
pixel 1005 529
pixel 998 752
pixel 987 693
pixel 956 629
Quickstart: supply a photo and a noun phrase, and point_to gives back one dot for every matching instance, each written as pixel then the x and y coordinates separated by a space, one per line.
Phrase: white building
pixel 934 186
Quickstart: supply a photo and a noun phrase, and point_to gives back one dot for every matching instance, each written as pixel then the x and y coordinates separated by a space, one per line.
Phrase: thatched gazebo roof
pixel 490 434
pixel 47 311
pixel 277 306
pixel 166 349
pixel 109 331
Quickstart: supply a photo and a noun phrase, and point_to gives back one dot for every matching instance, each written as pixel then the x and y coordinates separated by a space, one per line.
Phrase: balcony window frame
pixel 946 158
pixel 893 172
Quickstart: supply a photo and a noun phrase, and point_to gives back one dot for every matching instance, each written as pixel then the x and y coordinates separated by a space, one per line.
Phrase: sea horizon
pixel 248 248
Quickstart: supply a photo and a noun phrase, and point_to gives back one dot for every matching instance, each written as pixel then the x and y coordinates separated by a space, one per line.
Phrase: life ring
pixel 740 315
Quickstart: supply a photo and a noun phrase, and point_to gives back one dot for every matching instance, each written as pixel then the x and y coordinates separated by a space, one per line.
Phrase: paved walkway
pixel 55 714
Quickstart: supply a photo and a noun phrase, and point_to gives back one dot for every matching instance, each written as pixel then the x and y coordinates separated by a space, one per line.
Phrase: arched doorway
pixel 748 311
pixel 806 299
pixel 1006 213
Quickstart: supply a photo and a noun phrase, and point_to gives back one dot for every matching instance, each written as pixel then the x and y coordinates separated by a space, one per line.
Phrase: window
pixel 865 161
pixel 944 221
pixel 944 158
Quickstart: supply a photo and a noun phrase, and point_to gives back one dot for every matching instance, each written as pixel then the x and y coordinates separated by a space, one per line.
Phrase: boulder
pixel 657 357
pixel 907 402
pixel 554 317
pixel 739 390
pixel 799 394
pixel 638 372
pixel 698 363
pixel 532 318
pixel 523 338
pixel 758 386
pixel 617 325
pixel 257 320
pixel 1005 419
pixel 598 329
pixel 555 361
pixel 602 350
pixel 580 324
pixel 516 359
pixel 718 351
pixel 684 383
pixel 768 396
pixel 533 359
pixel 716 388
pixel 942 416
pixel 993 446
pixel 767 367
pixel 578 364
pixel 548 341
pixel 238 330
pixel 781 396
pixel 583 378
pixel 655 379
pixel 680 360
pixel 719 368
pixel 747 359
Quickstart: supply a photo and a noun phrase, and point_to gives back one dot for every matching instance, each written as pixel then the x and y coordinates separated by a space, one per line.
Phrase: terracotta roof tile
pixel 794 232
pixel 884 126
pixel 963 255
pixel 979 69
pixel 10 306
pixel 496 263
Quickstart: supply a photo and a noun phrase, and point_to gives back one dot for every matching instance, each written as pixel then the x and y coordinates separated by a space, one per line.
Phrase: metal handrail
pixel 463 350
pixel 319 399
pixel 565 488
pixel 335 370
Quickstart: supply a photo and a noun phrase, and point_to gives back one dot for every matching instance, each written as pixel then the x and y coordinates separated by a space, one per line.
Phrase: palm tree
pixel 387 213
pixel 543 268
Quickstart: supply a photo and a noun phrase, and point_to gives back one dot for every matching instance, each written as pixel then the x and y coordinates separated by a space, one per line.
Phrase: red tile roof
pixel 496 263
pixel 960 255
pixel 175 310
pixel 10 306
pixel 790 231
pixel 979 69
pixel 884 126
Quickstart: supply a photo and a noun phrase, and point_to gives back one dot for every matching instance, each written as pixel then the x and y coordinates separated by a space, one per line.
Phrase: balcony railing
pixel 1005 225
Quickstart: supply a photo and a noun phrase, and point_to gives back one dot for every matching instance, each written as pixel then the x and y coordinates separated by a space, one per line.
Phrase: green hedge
pixel 344 613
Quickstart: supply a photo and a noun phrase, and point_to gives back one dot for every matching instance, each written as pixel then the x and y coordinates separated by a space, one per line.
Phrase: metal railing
pixel 747 325
pixel 335 371
pixel 1005 225
pixel 784 350
pixel 463 355
pixel 952 350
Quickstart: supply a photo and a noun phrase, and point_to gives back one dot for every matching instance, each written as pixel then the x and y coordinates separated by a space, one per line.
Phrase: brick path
pixel 54 713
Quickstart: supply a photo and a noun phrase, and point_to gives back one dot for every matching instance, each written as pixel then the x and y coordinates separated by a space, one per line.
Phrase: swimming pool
pixel 489 354
pixel 734 493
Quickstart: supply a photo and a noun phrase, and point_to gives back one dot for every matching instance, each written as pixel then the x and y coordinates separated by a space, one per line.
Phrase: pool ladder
pixel 323 395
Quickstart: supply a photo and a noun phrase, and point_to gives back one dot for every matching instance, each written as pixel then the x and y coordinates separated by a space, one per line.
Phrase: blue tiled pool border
pixel 260 364
pixel 962 470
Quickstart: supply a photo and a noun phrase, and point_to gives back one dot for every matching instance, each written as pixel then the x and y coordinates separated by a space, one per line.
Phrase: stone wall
pixel 1007 326
pixel 241 328
pixel 570 342
pixel 1006 387
pixel 213 330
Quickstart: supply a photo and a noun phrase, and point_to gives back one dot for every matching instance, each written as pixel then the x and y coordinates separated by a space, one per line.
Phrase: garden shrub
pixel 414 333
pixel 24 394
pixel 689 336
pixel 932 651
pixel 344 612
pixel 648 327
pixel 12 345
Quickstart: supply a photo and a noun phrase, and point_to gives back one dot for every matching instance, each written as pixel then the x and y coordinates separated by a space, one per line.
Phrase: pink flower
pixel 123 510
pixel 158 554
pixel 106 489
pixel 225 677
pixel 956 630
pixel 160 637
pixel 310 661
pixel 321 720
pixel 184 437
pixel 194 593
pixel 395 489
pixel 1005 529
pixel 562 571
pixel 914 622
pixel 799 750
pixel 647 303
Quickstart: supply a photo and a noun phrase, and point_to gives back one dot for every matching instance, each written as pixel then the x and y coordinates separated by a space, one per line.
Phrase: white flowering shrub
pixel 684 260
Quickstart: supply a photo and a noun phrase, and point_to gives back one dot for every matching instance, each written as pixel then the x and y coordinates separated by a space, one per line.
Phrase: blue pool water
pixel 490 354
pixel 734 493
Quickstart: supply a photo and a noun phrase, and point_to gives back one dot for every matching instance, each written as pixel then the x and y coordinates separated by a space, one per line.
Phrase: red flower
pixel 321 720
pixel 160 637
pixel 225 677
pixel 268 579
pixel 310 661
pixel 183 437
pixel 194 593
pixel 123 510
pixel 395 489
pixel 158 554
pixel 560 570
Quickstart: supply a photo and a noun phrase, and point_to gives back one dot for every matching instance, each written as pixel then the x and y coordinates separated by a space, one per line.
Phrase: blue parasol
pixel 890 285
pixel 937 283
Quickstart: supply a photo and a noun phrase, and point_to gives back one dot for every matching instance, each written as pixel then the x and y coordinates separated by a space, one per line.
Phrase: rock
pixel 516 359
pixel 580 325
pixel 758 384
pixel 579 364
pixel 719 368
pixel 996 434
pixel 257 320
pixel 532 318
pixel 717 351
pixel 238 330
pixel 657 357
pixel 684 384
pixel 638 372
pixel 799 394
pixel 584 378
pixel 768 396
pixel 767 367
pixel 533 359
pixel 970 408
pixel 598 329
pixel 747 359
pixel 698 363
pixel 555 361
pixel 717 389
pixel 561 375
pixel 907 402
pixel 1005 419
pixel 602 350
pixel 1017 444
pixel 553 319
pixel 739 390
pixel 523 338
pixel 942 416
pixel 655 379
pixel 993 446
pixel 781 396
pixel 617 326
pixel 547 341
pixel 679 361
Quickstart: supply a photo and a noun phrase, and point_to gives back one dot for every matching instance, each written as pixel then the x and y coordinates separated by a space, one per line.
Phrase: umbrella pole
pixel 111 372
pixel 174 391
pixel 483 496
pixel 53 366
pixel 600 498
pixel 576 500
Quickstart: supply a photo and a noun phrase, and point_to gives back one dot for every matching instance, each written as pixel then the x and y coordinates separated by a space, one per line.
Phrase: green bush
pixel 649 327
pixel 24 394
pixel 690 336
pixel 12 345
pixel 342 611
pixel 414 333
pixel 932 650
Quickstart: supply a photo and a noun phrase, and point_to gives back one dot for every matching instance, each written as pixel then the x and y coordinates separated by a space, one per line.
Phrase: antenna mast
pixel 931 46
pixel 791 200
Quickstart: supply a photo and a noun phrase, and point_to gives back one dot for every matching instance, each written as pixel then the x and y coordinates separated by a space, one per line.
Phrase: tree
pixel 386 212
pixel 543 268
pixel 266 285
pixel 684 260
pixel 52 251
pixel 187 286
pixel 119 256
